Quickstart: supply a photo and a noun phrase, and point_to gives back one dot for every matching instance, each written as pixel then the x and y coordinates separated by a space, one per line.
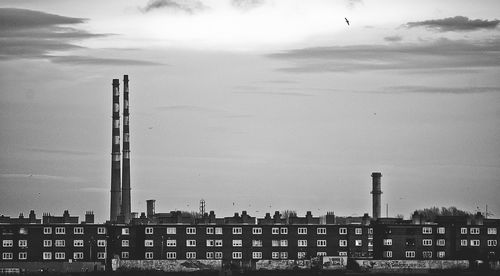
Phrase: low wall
pixel 282 264
pixel 169 265
pixel 54 266
pixel 334 263
pixel 408 265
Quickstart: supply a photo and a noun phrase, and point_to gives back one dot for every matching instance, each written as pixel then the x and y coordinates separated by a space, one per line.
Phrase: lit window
pixel 61 231
pixel 171 255
pixel 463 242
pixel 492 242
pixel 474 243
pixel 190 230
pixel 284 255
pixel 210 230
pixel 171 243
pixel 256 255
pixel 257 243
pixel 149 230
pixel 441 242
pixel 47 243
pixel 78 230
pixel 190 255
pixel 171 231
pixel 47 255
pixel 387 254
pixel 302 243
pixel 284 230
pixel 78 243
pixel 342 254
pixel 358 243
pixel 302 231
pixel 148 255
pixel 474 231
pixel 101 230
pixel 426 230
pixel 101 255
pixel 275 243
pixel 101 243
pixel 358 231
pixel 427 242
pixel 7 256
pixel 125 231
pixel 440 254
pixel 125 255
pixel 275 230
pixel 275 255
pixel 321 231
pixel 60 255
pixel 492 231
pixel 343 231
pixel 410 254
pixel 301 255
pixel 218 243
pixel 370 231
pixel 210 255
pixel 284 243
pixel 321 243
pixel 148 243
pixel 237 255
pixel 441 230
pixel 218 255
pixel 427 254
pixel 218 231
pixel 237 243
pixel 237 230
pixel 463 230
pixel 78 255
pixel 191 243
pixel 23 243
pixel 125 243
pixel 343 243
pixel 47 230
pixel 320 254
pixel 7 243
pixel 22 255
pixel 210 243
pixel 60 243
pixel 387 241
pixel 256 230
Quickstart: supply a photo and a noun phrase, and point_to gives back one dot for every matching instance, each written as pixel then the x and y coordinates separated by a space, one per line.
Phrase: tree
pixel 430 214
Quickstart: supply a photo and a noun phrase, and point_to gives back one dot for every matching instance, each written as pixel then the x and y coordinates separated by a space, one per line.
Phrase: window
pixel 60 256
pixel 441 230
pixel 191 230
pixel 237 255
pixel 210 243
pixel 474 231
pixel 256 230
pixel 171 231
pixel 302 231
pixel 301 255
pixel 358 243
pixel 191 243
pixel 218 243
pixel 22 243
pixel 321 231
pixel 101 230
pixel 256 255
pixel 284 243
pixel 410 242
pixel 218 231
pixel 47 255
pixel 22 255
pixel 7 256
pixel 7 243
pixel 320 254
pixel 284 230
pixel 60 230
pixel 148 243
pixel 427 254
pixel 102 255
pixel 387 241
pixel 302 243
pixel 370 231
pixel 237 230
pixel 358 231
pixel 463 230
pixel 218 255
pixel 343 243
pixel 149 230
pixel 342 253
pixel 275 243
pixel 321 243
pixel 463 242
pixel 190 255
pixel 148 255
pixel 474 242
pixel 47 243
pixel 23 231
pixel 427 242
pixel 125 243
pixel 441 242
pixel 171 255
pixel 492 242
pixel 343 231
pixel 125 231
pixel 171 243
pixel 426 230
pixel 210 231
pixel 210 255
pixel 101 243
pixel 47 230
pixel 387 254
pixel 60 243
pixel 410 254
pixel 78 255
pixel 275 255
pixel 237 243
pixel 275 230
pixel 125 255
pixel 78 243
pixel 440 254
pixel 77 231
pixel 257 243
pixel 492 231
pixel 284 255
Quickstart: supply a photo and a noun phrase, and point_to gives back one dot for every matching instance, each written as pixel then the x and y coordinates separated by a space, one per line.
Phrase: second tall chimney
pixel 115 155
pixel 376 192
pixel 126 155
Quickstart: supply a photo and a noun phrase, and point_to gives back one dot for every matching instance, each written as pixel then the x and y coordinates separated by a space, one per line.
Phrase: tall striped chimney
pixel 115 155
pixel 376 192
pixel 126 154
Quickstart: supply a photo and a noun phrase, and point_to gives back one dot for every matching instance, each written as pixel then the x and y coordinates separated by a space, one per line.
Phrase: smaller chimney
pixel 376 192
pixel 150 208
pixel 89 217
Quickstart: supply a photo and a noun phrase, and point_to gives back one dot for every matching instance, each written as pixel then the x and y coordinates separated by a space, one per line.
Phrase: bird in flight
pixel 347 21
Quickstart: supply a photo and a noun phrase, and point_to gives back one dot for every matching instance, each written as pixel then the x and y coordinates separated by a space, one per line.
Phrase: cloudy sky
pixel 255 105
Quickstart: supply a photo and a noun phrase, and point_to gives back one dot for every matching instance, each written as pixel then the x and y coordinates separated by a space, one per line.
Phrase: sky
pixel 257 105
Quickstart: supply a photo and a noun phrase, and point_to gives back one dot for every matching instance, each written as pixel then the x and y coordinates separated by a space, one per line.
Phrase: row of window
pixel 239 243
pixel 234 255
pixel 255 230
pixel 49 255
pixel 76 230
pixel 412 254
pixel 442 242
pixel 477 242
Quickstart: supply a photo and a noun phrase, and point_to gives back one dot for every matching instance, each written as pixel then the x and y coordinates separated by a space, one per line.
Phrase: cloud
pixel 443 90
pixel 86 60
pixel 393 38
pixel 352 3
pixel 457 23
pixel 247 4
pixel 188 6
pixel 39 177
pixel 64 152
pixel 440 54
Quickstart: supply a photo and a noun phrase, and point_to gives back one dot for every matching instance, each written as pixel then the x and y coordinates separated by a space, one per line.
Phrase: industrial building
pixel 177 241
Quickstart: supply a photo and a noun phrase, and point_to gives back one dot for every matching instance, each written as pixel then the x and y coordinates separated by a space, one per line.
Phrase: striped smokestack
pixel 115 154
pixel 376 192
pixel 126 154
